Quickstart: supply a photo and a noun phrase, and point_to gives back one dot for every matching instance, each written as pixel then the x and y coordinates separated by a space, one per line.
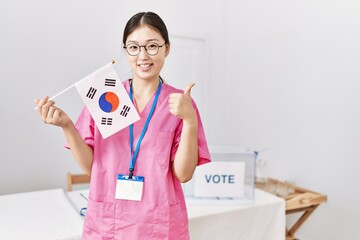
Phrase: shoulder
pixel 168 89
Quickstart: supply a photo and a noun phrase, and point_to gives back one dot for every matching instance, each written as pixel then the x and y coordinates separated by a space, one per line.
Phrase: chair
pixel 76 179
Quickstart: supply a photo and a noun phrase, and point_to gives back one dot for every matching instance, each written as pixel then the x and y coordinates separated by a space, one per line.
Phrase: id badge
pixel 129 188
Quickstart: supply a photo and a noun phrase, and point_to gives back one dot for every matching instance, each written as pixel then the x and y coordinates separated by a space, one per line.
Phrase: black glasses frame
pixel 144 46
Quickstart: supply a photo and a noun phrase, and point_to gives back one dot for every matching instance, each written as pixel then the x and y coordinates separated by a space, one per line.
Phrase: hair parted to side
pixel 149 19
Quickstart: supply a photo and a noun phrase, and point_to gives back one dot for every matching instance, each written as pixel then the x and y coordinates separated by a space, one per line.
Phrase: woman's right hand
pixel 51 114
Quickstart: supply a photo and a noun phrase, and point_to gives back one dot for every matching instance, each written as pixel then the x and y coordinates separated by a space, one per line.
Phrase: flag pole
pixel 56 95
pixel 66 89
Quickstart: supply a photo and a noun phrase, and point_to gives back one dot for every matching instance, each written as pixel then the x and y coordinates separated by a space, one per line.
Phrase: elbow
pixel 183 172
pixel 184 178
pixel 87 170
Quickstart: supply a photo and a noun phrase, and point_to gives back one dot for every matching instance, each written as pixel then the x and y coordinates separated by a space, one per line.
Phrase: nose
pixel 143 54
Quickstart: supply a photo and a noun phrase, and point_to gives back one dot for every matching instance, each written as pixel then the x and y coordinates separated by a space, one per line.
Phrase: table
pixel 264 219
pixel 54 214
pixel 41 215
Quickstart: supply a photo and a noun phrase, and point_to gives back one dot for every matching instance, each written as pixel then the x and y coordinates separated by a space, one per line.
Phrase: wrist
pixel 68 127
pixel 190 122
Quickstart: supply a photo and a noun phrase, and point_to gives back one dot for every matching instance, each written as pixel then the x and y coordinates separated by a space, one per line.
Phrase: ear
pixel 167 49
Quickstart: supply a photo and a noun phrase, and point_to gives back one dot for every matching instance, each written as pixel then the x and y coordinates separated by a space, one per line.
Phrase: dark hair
pixel 146 18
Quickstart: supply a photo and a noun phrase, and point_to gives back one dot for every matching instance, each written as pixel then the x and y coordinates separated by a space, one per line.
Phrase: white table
pixel 263 220
pixel 54 214
pixel 41 215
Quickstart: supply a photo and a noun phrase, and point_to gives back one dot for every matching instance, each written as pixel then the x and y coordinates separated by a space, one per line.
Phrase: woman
pixel 173 144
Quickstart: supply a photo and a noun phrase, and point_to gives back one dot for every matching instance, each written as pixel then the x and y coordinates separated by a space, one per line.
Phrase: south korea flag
pixel 107 101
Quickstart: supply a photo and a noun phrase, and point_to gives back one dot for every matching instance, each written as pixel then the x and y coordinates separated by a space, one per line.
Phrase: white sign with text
pixel 220 179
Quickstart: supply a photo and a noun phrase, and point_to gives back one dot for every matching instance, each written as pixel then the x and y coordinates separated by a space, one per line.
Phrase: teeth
pixel 144 65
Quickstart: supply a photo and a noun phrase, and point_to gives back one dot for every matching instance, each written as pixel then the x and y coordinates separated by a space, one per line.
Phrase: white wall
pixel 284 76
pixel 293 69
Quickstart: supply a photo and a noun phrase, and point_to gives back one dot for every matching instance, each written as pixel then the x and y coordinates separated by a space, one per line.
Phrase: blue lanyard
pixel 133 157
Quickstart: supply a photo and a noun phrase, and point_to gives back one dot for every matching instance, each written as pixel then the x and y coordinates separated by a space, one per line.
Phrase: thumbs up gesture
pixel 180 105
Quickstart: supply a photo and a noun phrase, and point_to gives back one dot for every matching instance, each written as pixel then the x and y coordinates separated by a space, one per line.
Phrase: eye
pixel 151 46
pixel 133 47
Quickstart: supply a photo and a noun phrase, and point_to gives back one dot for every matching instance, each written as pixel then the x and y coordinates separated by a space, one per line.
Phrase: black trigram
pixel 106 121
pixel 110 82
pixel 91 93
pixel 125 111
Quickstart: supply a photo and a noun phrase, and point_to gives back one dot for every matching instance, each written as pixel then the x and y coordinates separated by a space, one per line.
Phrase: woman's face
pixel 145 66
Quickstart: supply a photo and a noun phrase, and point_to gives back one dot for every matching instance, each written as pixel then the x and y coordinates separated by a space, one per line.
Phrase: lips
pixel 145 66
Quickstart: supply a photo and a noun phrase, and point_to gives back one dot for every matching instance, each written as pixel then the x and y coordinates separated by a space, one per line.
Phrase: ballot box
pixel 228 179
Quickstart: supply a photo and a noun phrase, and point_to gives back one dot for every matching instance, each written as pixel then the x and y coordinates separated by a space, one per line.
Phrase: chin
pixel 147 77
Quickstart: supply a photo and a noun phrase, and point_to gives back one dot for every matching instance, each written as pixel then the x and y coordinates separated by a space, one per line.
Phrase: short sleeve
pixel 85 126
pixel 203 150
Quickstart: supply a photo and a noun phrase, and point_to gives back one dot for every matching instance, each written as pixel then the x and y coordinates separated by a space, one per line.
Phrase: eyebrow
pixel 149 40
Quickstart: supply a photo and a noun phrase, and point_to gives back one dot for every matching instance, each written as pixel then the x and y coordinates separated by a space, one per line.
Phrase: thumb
pixel 188 89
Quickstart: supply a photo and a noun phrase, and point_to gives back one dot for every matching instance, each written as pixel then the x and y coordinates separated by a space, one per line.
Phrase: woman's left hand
pixel 180 105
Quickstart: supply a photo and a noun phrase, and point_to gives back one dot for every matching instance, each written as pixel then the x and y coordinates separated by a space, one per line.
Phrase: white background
pixel 283 75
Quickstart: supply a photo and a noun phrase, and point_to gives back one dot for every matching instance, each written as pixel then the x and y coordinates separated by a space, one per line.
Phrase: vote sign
pixel 220 179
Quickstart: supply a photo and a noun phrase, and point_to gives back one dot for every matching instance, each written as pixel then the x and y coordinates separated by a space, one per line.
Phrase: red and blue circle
pixel 109 102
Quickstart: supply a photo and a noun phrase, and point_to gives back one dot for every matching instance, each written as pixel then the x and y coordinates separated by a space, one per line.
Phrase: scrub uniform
pixel 161 214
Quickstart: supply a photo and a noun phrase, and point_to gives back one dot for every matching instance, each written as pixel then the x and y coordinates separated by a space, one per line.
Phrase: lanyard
pixel 133 157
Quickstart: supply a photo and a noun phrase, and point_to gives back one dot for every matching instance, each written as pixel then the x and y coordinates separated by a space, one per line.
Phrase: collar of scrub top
pixel 134 156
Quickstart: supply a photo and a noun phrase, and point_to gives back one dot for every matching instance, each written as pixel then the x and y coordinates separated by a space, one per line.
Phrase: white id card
pixel 129 188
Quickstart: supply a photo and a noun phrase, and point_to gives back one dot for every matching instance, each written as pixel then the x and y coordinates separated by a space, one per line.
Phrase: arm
pixel 82 152
pixel 51 114
pixel 186 157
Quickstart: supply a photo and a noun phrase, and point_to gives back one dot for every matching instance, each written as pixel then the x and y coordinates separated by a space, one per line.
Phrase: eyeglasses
pixel 133 49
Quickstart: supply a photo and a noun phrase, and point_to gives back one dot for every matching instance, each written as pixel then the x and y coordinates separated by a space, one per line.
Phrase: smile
pixel 145 66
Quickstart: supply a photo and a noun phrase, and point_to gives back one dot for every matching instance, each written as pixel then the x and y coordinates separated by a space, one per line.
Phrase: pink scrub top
pixel 162 212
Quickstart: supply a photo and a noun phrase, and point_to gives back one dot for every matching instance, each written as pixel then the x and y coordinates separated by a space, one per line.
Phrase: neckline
pixel 148 104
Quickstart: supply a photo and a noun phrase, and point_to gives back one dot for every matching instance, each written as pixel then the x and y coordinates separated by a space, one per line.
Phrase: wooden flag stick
pixel 66 89
pixel 56 95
